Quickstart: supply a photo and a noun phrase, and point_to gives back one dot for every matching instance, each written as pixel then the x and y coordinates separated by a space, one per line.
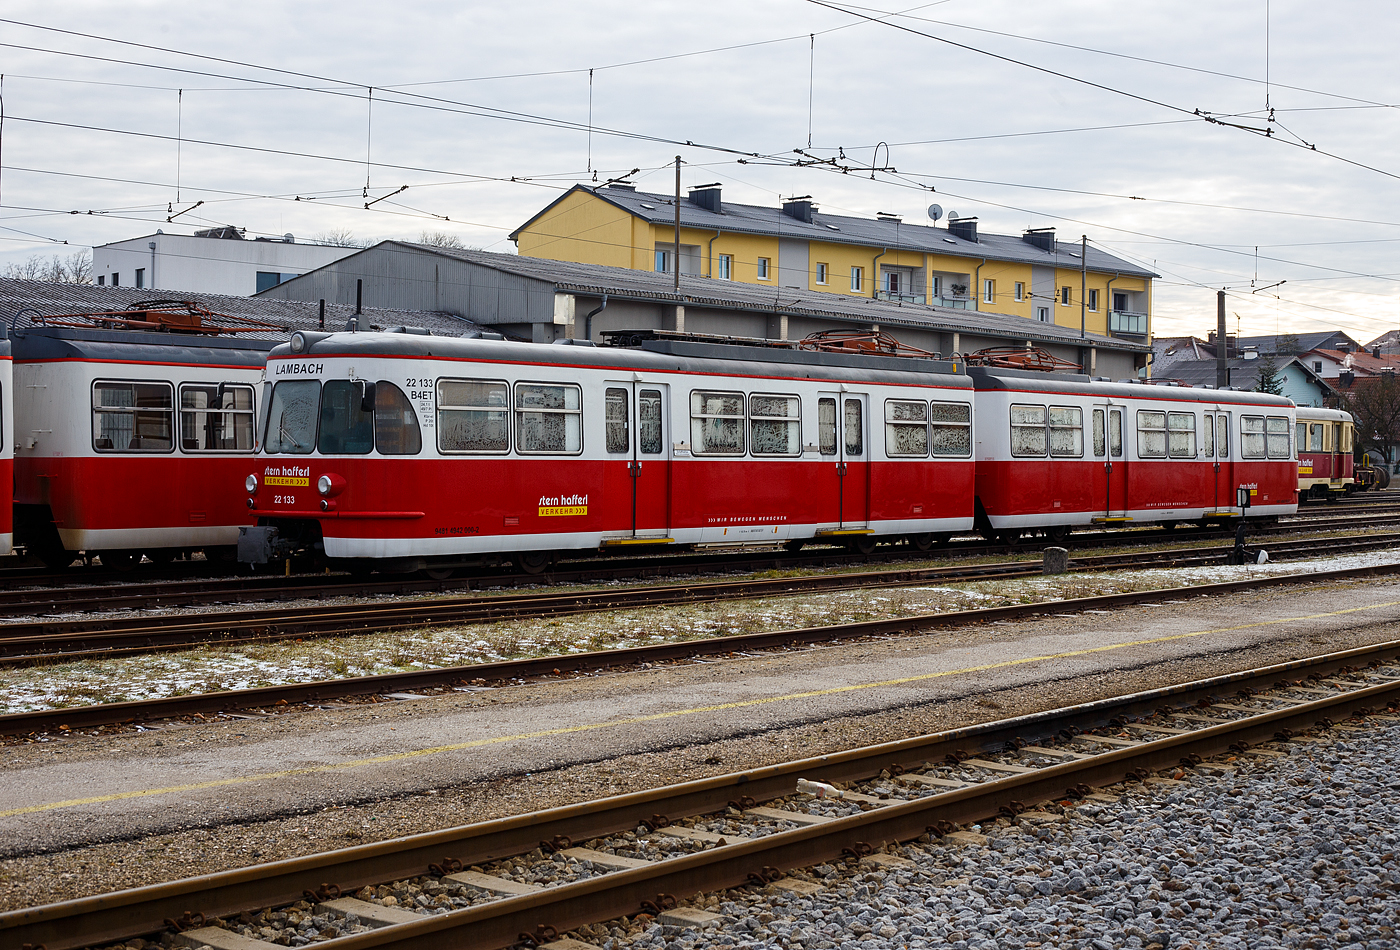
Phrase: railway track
pixel 747 828
pixel 414 682
pixel 105 636
pixel 132 594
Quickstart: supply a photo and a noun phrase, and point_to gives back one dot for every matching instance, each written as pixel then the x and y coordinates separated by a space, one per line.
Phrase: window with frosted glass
pixel 1028 436
pixel 1152 434
pixel 716 423
pixel 775 425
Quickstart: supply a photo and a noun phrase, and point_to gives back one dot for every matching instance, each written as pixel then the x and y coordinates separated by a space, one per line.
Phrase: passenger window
pixel 775 425
pixel 216 418
pixel 346 428
pixel 1100 443
pixel 1152 434
pixel 716 423
pixel 1222 436
pixel 1066 431
pixel 826 426
pixel 548 418
pixel 1115 433
pixel 950 429
pixel 1028 430
pixel 396 429
pixel 649 433
pixel 1279 430
pixel 616 439
pixel 906 428
pixel 1252 444
pixel 1181 434
pixel 473 416
pixel 855 429
pixel 1315 442
pixel 1302 436
pixel 133 417
pixel 1208 436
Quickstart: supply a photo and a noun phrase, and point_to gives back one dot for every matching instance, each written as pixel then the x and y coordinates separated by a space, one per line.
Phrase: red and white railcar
pixel 1056 452
pixel 1325 453
pixel 419 451
pixel 131 440
pixel 7 442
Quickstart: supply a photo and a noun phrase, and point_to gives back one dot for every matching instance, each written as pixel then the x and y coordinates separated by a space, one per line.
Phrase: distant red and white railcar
pixel 419 451
pixel 1056 452
pixel 130 441
pixel 1326 466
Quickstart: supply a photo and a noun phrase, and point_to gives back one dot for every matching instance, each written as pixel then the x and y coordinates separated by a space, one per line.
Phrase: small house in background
pixel 1296 380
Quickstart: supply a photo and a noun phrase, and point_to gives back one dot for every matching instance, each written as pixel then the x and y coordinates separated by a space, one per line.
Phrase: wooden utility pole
pixel 676 262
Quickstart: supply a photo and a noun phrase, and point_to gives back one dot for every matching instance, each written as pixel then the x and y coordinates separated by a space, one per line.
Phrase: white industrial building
pixel 217 261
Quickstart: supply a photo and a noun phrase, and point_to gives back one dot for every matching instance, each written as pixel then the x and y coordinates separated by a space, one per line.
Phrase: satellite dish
pixel 953 216
pixel 935 211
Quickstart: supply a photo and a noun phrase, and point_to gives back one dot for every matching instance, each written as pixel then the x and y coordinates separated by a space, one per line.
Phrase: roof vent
pixel 965 228
pixel 1043 238
pixel 622 186
pixel 706 196
pixel 886 216
pixel 800 208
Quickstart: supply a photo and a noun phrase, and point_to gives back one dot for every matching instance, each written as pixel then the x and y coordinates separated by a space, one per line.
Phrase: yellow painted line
pixel 654 717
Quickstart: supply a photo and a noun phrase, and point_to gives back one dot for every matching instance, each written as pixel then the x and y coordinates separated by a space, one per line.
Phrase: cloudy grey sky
pixel 1078 114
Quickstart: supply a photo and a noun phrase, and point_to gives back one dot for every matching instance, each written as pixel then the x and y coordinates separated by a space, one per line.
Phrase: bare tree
pixel 1374 402
pixel 442 239
pixel 339 237
pixel 76 268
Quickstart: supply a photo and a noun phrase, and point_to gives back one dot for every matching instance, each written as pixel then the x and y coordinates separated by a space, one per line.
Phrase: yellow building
pixel 1031 275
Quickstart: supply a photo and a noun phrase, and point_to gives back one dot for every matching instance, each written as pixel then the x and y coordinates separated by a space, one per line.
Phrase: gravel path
pixel 1297 851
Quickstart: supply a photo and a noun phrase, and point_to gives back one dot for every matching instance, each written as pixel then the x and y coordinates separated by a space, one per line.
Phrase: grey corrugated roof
pixel 1244 374
pixel 844 229
pixel 52 299
pixel 597 279
pixel 1306 341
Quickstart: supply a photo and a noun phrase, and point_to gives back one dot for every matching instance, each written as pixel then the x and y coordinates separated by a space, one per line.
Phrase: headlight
pixel 298 342
pixel 323 484
pixel 330 485
pixel 251 483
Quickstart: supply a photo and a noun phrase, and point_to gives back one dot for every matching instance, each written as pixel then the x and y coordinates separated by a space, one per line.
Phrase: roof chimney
pixel 706 196
pixel 800 208
pixel 1043 238
pixel 965 228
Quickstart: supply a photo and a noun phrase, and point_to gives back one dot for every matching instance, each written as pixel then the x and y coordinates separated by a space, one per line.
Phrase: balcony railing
pixel 901 298
pixel 955 301
pixel 1127 321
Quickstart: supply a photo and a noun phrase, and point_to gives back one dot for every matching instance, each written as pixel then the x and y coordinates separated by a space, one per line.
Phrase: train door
pixel 1224 467
pixel 1115 462
pixel 854 460
pixel 1334 470
pixel 636 423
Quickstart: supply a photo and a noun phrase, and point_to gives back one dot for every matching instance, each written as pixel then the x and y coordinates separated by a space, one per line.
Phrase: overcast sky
pixel 467 96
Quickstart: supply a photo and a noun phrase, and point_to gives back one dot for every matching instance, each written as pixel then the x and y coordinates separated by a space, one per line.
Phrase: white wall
pixel 182 262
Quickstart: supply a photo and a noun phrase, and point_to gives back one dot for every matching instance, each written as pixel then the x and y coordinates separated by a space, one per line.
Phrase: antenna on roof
pixel 935 211
pixel 953 216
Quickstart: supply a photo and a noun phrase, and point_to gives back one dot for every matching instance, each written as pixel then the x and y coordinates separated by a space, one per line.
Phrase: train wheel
pixel 1168 525
pixel 438 573
pixel 162 556
pixel 531 562
pixel 862 544
pixel 921 542
pixel 56 558
pixel 1058 534
pixel 793 546
pixel 1010 537
pixel 120 560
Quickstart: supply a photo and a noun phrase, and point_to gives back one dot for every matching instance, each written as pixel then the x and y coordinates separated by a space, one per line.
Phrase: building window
pixel 140 277
pixel 269 279
pixel 1042 314
pixel 936 286
pixel 1317 364
pixel 763 268
pixel 1020 291
pixel 1093 300
pixel 663 262
pixel 101 280
pixel 1066 295
pixel 724 267
pixel 116 280
pixel 989 291
pixel 892 282
pixel 821 273
pixel 857 278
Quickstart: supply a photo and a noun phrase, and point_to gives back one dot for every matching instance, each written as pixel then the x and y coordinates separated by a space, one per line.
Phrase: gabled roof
pixel 1244 374
pixel 20 298
pixel 843 229
pixel 1361 361
pixel 623 283
pixel 1329 339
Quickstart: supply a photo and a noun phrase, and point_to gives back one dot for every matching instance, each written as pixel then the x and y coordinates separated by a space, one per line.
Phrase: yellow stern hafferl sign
pixel 554 506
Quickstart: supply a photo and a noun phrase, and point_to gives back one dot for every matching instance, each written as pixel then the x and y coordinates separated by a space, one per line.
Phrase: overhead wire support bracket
pixel 401 189
pixel 172 217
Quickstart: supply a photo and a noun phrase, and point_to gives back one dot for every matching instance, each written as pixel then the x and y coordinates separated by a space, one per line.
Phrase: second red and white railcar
pixel 1326 466
pixel 420 451
pixel 1058 452
pixel 131 441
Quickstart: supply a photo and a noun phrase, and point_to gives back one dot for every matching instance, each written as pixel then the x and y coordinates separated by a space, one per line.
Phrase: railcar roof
pixel 1314 414
pixel 125 346
pixel 656 355
pixel 1023 381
